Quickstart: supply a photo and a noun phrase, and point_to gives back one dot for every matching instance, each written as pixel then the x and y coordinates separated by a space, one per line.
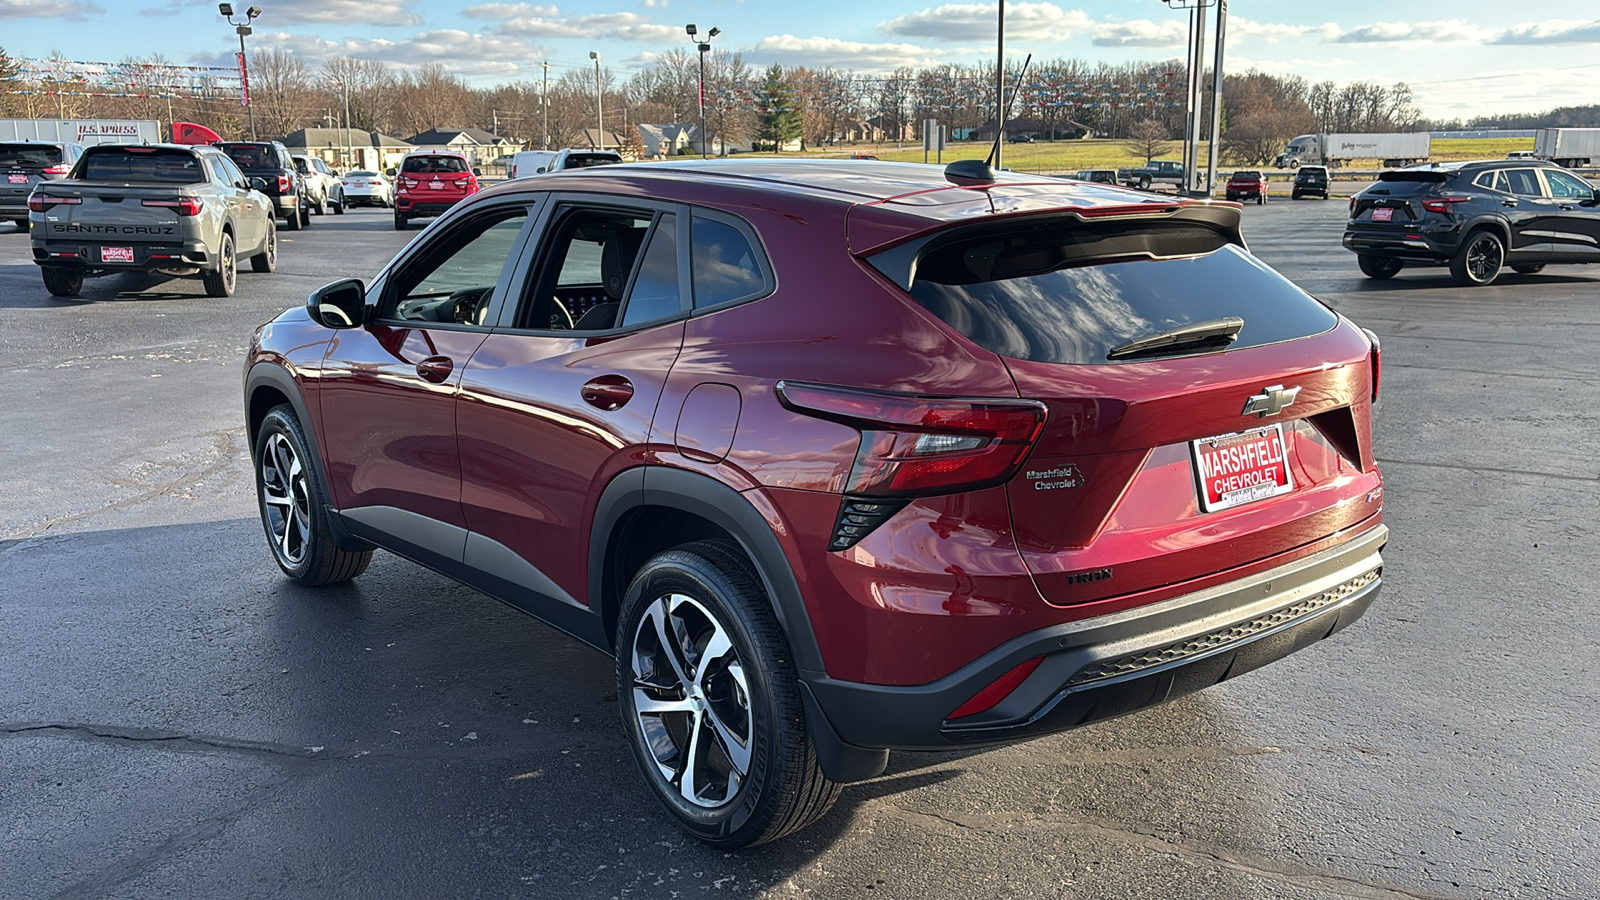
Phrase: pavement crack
pixel 1276 871
pixel 1586 479
pixel 123 735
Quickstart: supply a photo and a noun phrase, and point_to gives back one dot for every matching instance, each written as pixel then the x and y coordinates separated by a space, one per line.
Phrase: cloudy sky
pixel 1461 58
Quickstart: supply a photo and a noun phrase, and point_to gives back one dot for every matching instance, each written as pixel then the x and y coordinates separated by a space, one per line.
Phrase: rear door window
pixel 655 293
pixel 726 264
pixel 1068 291
pixel 1524 182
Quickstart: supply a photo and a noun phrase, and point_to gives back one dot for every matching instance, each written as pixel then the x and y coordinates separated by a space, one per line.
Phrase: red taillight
pixel 1000 689
pixel 285 184
pixel 42 202
pixel 1442 204
pixel 1352 204
pixel 58 170
pixel 409 182
pixel 913 446
pixel 185 206
pixel 1377 360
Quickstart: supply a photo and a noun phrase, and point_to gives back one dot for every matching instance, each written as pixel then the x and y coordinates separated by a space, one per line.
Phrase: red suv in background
pixel 1247 184
pixel 429 182
pixel 836 460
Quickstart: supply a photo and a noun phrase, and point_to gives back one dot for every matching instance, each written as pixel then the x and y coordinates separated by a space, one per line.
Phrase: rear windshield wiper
pixel 1220 332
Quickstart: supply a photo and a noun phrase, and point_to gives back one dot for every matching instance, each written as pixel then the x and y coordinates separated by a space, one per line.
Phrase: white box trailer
pixel 1393 149
pixel 1570 147
pixel 87 132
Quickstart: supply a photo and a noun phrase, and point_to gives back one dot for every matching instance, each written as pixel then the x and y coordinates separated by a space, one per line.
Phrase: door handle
pixel 608 392
pixel 1508 203
pixel 435 369
pixel 1566 206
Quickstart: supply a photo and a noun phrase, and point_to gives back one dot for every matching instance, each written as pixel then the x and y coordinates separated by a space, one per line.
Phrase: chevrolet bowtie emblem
pixel 1270 401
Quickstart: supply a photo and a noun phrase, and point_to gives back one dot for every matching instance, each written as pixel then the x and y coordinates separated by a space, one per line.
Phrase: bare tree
pixel 1148 138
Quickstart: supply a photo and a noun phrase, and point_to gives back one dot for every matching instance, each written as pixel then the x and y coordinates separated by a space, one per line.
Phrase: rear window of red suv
pixel 427 164
pixel 1069 291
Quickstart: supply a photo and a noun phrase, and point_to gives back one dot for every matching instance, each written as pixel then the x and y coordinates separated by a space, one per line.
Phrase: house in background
pixel 479 147
pixel 672 139
pixel 347 149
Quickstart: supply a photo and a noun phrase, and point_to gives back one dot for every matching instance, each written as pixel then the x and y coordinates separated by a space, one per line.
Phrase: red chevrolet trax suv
pixel 837 460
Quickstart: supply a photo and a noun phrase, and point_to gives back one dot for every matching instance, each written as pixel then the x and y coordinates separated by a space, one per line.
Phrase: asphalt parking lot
pixel 176 720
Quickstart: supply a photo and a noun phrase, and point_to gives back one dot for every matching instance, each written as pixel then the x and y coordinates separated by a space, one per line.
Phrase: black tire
pixel 20 223
pixel 62 282
pixel 1379 267
pixel 1144 182
pixel 399 222
pixel 706 589
pixel 291 222
pixel 1478 260
pixel 305 217
pixel 267 260
pixel 338 208
pixel 1232 198
pixel 1294 195
pixel 305 550
pixel 321 206
pixel 1528 270
pixel 221 282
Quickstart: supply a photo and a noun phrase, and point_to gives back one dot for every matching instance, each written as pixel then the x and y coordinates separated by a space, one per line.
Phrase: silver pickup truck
pixel 169 209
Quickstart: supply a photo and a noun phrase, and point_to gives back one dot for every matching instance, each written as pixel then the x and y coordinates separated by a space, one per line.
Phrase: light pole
pixel 1194 122
pixel 704 47
pixel 243 28
pixel 544 108
pixel 599 104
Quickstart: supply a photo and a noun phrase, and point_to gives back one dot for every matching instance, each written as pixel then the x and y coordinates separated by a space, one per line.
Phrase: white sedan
pixel 367 189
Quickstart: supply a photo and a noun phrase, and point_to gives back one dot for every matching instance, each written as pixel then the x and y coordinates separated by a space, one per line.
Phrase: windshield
pixel 140 165
pixel 29 156
pixel 434 164
pixel 1071 291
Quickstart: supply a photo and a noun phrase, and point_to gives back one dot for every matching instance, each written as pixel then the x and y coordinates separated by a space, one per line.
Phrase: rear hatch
pixel 1204 413
pixel 1248 181
pixel 261 161
pixel 25 165
pixel 1396 199
pixel 122 204
pixel 436 179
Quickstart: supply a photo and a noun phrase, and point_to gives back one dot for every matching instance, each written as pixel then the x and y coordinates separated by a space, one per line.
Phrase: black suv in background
pixel 1474 217
pixel 270 161
pixel 1310 180
pixel 25 164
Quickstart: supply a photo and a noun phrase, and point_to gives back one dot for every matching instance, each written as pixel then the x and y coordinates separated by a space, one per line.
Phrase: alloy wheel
pixel 1484 258
pixel 692 701
pixel 286 499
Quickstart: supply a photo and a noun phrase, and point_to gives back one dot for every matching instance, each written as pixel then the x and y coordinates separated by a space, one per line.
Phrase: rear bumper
pixel 1397 243
pixel 1120 663
pixel 410 207
pixel 146 257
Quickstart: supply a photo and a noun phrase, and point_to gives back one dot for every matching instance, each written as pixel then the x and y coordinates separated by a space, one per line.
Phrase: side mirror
pixel 477 171
pixel 389 171
pixel 258 184
pixel 342 304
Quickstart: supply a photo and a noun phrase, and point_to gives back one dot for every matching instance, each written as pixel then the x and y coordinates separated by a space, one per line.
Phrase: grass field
pixel 1070 156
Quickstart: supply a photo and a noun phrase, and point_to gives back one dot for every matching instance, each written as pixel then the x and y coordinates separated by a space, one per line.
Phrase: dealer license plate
pixel 1235 469
pixel 17 179
pixel 116 254
pixel 1382 214
pixel 435 185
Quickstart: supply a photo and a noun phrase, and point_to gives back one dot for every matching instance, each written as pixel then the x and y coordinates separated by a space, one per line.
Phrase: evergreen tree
pixel 780 120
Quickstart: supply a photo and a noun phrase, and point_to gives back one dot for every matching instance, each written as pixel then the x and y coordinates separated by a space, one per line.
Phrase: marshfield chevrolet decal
pixel 1058 478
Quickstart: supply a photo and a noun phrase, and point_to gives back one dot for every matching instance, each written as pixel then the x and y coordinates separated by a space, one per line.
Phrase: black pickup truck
pixel 270 161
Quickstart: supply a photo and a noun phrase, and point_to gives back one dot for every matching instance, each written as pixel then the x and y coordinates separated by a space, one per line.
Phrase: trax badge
pixel 1270 401
pixel 1067 476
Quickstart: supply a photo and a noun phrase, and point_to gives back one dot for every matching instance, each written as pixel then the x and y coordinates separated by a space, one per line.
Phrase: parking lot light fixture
pixel 599 104
pixel 704 47
pixel 243 28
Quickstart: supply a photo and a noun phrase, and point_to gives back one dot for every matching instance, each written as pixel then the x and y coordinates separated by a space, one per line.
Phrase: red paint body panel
pixel 390 436
pixel 535 457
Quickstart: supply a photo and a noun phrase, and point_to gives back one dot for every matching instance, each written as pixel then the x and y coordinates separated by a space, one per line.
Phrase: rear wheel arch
pixel 649 509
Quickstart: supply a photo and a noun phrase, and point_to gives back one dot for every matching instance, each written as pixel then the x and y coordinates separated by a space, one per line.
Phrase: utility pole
pixel 544 107
pixel 1000 87
pixel 349 148
pixel 599 104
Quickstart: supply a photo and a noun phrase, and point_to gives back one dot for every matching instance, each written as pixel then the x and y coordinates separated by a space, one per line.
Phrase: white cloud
pixel 1141 33
pixel 1273 32
pixel 496 11
pixel 547 22
pixel 1449 31
pixel 964 21
pixel 815 51
pixel 1299 66
pixel 460 52
pixel 1553 31
pixel 655 4
pixel 47 9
